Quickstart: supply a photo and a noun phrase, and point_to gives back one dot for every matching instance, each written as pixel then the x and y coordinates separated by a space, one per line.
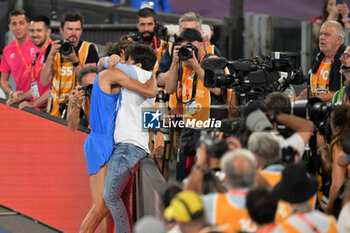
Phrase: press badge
pixel 191 107
pixel 35 90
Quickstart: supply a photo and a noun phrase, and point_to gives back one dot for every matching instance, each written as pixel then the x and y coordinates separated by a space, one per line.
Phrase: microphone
pixel 216 63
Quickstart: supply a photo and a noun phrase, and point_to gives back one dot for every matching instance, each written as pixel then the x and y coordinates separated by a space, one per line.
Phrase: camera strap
pixel 194 85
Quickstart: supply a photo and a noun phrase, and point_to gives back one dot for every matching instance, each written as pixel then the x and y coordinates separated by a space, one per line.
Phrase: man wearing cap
pixel 240 171
pixel 197 102
pixel 296 187
pixel 187 209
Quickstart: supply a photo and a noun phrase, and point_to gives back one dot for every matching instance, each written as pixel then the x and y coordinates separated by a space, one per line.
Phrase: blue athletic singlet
pixel 99 144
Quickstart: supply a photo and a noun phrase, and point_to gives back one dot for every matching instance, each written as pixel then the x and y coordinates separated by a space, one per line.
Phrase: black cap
pixel 295 186
pixel 190 35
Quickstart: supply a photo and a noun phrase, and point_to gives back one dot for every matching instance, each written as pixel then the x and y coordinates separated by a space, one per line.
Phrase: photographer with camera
pixel 272 159
pixel 325 78
pixel 148 30
pixel 340 126
pixel 78 110
pixel 195 99
pixel 64 59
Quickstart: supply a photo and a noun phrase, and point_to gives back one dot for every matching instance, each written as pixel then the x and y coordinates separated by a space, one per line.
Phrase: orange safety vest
pixel 64 79
pixel 289 226
pixel 283 210
pixel 160 50
pixel 225 212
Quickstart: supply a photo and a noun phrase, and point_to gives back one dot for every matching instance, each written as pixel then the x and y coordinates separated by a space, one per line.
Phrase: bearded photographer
pixel 64 59
pixel 78 110
pixel 186 77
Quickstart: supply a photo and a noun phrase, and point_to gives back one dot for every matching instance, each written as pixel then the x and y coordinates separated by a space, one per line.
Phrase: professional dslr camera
pixel 186 52
pixel 88 89
pixel 318 112
pixel 66 47
pixel 215 147
pixel 137 37
pixel 254 78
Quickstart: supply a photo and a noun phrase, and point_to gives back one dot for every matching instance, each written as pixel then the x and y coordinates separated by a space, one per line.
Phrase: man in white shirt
pixel 131 141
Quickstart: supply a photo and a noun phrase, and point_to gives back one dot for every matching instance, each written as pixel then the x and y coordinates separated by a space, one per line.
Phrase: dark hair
pixel 42 18
pixel 72 17
pixel 325 14
pixel 143 54
pixel 145 13
pixel 124 37
pixel 170 192
pixel 86 70
pixel 17 13
pixel 261 205
pixel 278 101
pixel 117 47
pixel 340 117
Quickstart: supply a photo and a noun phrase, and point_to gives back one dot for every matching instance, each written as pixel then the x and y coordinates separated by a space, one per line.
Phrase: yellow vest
pixel 64 79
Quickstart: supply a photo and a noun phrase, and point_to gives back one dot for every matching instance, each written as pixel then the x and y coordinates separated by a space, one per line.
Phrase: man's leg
pixel 117 178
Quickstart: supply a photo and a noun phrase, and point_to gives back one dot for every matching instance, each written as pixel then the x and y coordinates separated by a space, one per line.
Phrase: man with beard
pixel 325 78
pixel 61 67
pixel 345 71
pixel 17 55
pixel 146 23
pixel 37 94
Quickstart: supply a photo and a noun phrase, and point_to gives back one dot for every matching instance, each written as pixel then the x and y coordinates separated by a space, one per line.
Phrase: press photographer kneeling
pixel 78 109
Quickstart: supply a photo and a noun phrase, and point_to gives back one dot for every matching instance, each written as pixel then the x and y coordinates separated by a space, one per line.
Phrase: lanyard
pixel 268 228
pixel 22 57
pixel 310 224
pixel 187 84
pixel 155 44
pixel 238 192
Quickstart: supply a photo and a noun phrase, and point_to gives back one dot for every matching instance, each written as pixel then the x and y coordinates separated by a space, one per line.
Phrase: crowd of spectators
pixel 263 171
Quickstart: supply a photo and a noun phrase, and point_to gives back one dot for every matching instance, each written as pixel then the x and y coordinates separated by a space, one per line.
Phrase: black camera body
pixel 186 52
pixel 66 47
pixel 88 89
pixel 254 78
pixel 318 112
pixel 137 37
pixel 161 32
pixel 215 147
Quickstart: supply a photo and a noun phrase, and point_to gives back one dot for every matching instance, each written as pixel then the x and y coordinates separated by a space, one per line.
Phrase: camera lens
pixel 185 53
pixel 66 48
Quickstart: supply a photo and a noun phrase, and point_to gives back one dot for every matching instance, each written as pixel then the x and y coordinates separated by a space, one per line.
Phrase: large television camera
pixel 254 78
